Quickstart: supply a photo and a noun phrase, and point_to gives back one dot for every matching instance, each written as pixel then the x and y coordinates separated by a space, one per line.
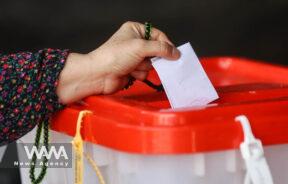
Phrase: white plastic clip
pixel 258 171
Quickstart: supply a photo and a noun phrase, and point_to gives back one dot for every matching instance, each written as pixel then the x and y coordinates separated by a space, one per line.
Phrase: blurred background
pixel 247 28
pixel 251 28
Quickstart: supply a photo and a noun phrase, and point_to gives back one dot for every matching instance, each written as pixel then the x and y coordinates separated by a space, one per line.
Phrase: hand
pixel 107 69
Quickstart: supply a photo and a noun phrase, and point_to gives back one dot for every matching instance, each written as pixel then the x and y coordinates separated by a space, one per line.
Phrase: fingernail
pixel 176 53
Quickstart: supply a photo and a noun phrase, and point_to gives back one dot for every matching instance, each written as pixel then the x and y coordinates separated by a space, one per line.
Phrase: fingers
pixel 139 75
pixel 141 71
pixel 146 65
pixel 157 48
pixel 156 34
pixel 159 45
pixel 161 37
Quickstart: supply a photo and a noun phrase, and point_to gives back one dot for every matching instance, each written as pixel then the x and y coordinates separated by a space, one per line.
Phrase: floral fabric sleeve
pixel 27 90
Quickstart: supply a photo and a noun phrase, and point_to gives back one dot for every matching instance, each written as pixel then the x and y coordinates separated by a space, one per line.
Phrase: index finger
pixel 156 34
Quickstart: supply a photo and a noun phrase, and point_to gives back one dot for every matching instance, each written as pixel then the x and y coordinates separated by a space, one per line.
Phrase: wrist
pixel 80 77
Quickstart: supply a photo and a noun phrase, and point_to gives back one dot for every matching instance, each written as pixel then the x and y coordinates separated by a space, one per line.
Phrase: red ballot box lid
pixel 139 120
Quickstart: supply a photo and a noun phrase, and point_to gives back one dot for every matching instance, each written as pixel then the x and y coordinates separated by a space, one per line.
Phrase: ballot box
pixel 134 136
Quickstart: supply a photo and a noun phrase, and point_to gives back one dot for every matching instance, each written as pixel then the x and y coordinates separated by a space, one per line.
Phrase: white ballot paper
pixel 185 81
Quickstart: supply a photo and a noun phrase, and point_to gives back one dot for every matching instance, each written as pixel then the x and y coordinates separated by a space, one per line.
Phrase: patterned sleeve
pixel 28 90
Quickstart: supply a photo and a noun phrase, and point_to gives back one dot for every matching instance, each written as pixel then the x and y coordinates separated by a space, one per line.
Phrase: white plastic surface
pixel 2 151
pixel 218 167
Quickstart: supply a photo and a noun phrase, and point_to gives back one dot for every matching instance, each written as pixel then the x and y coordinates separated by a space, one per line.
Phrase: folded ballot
pixel 185 81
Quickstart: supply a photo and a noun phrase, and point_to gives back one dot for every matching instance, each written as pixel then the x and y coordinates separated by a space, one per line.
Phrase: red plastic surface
pixel 139 120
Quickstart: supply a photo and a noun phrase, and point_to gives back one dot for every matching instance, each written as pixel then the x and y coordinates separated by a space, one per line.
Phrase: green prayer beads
pixel 45 126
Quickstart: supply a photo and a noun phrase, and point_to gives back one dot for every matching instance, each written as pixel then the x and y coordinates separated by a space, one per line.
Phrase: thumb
pixel 159 48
